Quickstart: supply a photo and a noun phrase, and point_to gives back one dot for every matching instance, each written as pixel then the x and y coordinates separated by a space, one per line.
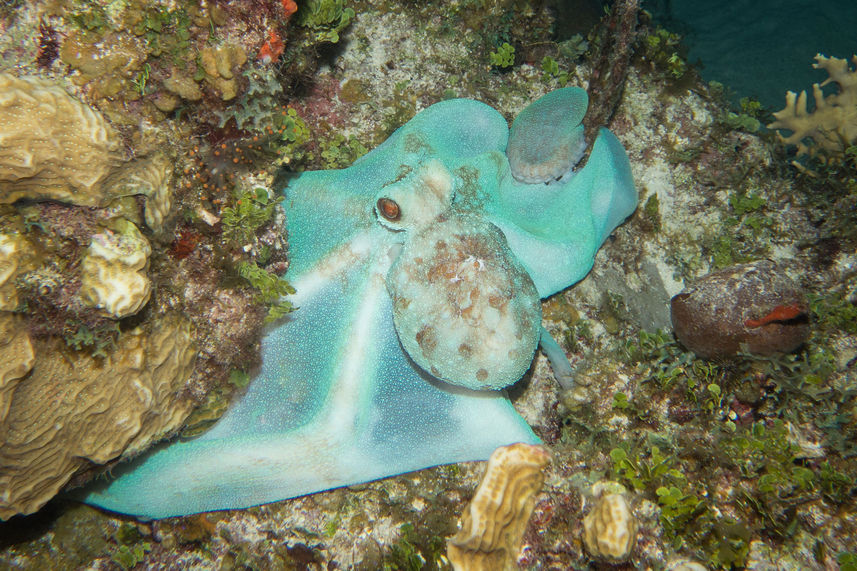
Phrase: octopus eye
pixel 389 209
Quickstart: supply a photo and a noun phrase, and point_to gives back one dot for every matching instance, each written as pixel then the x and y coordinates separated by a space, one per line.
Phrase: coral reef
pixel 113 271
pixel 754 304
pixel 748 463
pixel 65 415
pixel 493 523
pixel 610 528
pixel 57 148
pixel 831 127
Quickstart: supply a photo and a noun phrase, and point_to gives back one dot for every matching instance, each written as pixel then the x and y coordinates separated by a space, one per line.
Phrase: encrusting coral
pixel 65 415
pixel 832 126
pixel 113 271
pixel 610 529
pixel 218 64
pixel 493 523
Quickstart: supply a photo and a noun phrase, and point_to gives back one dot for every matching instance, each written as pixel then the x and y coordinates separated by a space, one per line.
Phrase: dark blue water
pixel 761 48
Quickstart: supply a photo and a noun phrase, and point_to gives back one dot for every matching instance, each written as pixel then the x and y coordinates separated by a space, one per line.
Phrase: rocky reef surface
pixel 183 119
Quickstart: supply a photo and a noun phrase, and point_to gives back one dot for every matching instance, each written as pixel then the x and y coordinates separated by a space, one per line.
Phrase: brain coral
pixel 113 271
pixel 51 145
pixel 74 410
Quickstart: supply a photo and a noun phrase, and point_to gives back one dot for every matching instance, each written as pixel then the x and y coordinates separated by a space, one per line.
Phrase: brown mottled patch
pixel 496 301
pixel 427 340
pixel 444 270
pixel 465 350
pixel 481 375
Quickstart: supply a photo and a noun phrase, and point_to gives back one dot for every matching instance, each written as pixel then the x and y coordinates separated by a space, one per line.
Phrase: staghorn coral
pixel 75 410
pixel 493 524
pixel 114 271
pixel 832 127
pixel 610 529
pixel 53 146
pixel 16 357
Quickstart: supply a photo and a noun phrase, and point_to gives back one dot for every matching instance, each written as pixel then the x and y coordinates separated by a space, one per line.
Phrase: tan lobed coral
pixel 493 525
pixel 74 410
pixel 219 63
pixel 16 357
pixel 150 177
pixel 113 271
pixel 832 126
pixel 15 258
pixel 53 146
pixel 610 528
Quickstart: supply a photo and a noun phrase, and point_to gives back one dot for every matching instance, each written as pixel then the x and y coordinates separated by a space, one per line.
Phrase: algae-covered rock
pixel 114 271
pixel 75 410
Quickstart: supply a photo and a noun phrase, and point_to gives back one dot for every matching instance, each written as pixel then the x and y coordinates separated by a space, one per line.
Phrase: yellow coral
pixel 74 410
pixel 493 525
pixel 113 271
pixel 15 259
pixel 53 146
pixel 832 126
pixel 16 357
pixel 610 529
pixel 218 64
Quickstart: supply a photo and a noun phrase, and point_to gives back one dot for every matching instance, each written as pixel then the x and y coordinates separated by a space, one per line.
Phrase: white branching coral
pixel 832 127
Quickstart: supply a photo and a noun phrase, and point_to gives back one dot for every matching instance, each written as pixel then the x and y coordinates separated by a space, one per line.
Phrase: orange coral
pixel 289 7
pixel 272 49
